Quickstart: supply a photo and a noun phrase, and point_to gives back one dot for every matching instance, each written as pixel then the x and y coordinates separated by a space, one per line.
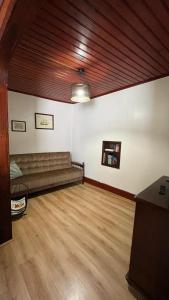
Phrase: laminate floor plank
pixel 73 244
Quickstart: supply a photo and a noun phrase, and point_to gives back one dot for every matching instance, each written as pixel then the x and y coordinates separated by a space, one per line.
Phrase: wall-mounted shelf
pixel 111 151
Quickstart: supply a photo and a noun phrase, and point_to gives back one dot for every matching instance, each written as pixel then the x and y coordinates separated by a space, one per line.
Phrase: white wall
pixel 139 118
pixel 22 107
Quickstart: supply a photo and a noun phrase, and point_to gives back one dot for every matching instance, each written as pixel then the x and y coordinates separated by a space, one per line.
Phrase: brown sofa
pixel 45 170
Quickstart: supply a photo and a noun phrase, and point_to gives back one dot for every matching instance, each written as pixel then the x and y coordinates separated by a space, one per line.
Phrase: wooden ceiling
pixel 119 43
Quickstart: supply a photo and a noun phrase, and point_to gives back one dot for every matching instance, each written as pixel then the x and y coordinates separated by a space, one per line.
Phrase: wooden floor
pixel 73 244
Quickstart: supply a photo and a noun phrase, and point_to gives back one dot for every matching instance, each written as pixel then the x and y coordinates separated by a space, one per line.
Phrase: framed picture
pixel 18 126
pixel 44 121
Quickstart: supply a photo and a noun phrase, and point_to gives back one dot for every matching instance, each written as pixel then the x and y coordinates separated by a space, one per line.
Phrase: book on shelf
pixel 104 158
pixel 109 159
pixel 109 150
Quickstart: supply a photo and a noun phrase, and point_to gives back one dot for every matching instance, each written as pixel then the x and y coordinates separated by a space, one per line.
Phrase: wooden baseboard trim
pixel 110 188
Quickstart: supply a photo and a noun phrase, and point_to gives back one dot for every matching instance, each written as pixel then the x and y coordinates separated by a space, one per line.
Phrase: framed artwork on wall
pixel 44 121
pixel 18 126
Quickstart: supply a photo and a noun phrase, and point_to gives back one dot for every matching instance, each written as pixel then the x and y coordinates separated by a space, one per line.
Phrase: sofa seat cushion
pixel 40 181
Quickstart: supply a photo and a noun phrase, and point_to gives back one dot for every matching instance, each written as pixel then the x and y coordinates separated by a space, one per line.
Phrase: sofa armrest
pixel 79 165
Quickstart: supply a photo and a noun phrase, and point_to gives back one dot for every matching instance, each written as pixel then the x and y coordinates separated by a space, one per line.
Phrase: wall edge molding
pixel 110 188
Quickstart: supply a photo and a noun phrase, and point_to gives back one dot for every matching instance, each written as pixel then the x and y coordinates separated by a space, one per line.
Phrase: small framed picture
pixel 18 126
pixel 44 121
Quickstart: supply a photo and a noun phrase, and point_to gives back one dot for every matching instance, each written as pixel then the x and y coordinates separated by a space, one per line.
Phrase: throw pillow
pixel 15 171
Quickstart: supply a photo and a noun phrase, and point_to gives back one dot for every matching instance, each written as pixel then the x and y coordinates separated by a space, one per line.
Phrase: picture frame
pixel 44 121
pixel 19 126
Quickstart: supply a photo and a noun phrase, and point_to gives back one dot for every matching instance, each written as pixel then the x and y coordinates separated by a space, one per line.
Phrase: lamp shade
pixel 80 92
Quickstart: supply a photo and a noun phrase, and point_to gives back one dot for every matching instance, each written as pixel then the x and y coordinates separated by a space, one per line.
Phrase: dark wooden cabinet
pixel 149 263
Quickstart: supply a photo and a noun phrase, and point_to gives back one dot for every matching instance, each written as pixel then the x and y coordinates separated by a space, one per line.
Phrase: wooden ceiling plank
pixel 29 87
pixel 41 53
pixel 52 96
pixel 90 51
pixel 40 88
pixel 101 68
pixel 109 39
pixel 37 80
pixel 144 13
pixel 159 13
pixel 100 40
pixel 124 11
pixel 134 84
pixel 53 76
pixel 165 3
pixel 111 22
pixel 35 94
pixel 17 24
pixel 28 83
pixel 35 75
pixel 54 42
pixel 99 52
pixel 35 72
pixel 89 27
pixel 57 87
pixel 86 76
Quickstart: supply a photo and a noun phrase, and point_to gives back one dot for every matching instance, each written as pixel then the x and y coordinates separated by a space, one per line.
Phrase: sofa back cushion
pixel 42 162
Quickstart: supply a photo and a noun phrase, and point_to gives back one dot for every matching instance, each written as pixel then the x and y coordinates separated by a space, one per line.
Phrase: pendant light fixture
pixel 80 91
